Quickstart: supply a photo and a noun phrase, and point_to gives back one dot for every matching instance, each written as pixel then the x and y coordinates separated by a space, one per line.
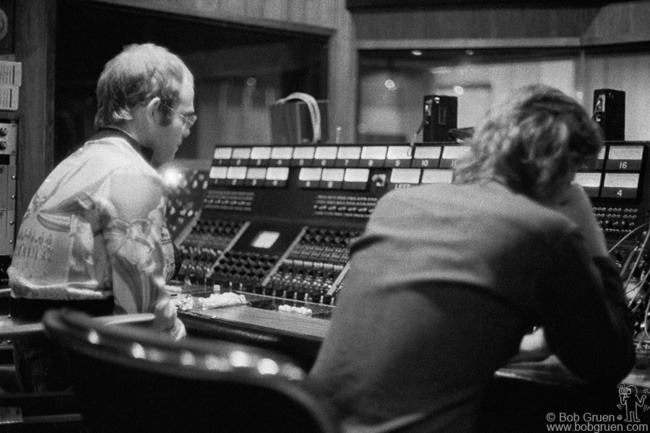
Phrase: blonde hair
pixel 533 143
pixel 138 74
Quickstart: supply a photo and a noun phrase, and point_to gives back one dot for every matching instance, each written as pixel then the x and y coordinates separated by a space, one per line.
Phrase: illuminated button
pixel 590 182
pixel 303 156
pixel 437 176
pixel 624 158
pixel 309 177
pixel 373 156
pixel 255 176
pixel 219 175
pixel 325 156
pixel 450 154
pixel 398 156
pixel 240 156
pixel 426 157
pixel 281 156
pixel 348 156
pixel 236 175
pixel 332 178
pixel 222 155
pixel 405 176
pixel 356 178
pixel 620 185
pixel 277 177
pixel 260 156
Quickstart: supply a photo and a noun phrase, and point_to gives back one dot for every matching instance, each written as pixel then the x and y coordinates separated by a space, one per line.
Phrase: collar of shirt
pixel 146 152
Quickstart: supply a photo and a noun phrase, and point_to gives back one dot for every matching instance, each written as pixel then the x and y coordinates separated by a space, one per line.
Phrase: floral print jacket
pixel 96 229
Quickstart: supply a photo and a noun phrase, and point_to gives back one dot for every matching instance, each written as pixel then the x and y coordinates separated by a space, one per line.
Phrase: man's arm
pixel 134 233
pixel 586 319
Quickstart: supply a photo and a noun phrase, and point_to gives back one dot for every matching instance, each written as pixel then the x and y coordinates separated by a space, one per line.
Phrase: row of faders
pixel 201 249
pixel 312 270
pixel 243 269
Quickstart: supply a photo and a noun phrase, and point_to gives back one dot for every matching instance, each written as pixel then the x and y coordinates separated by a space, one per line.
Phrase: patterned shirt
pixel 96 229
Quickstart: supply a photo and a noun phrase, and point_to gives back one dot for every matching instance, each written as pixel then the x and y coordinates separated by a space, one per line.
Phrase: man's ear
pixel 153 109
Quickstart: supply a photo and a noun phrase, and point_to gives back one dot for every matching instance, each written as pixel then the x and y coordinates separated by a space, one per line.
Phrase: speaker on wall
pixel 609 113
pixel 440 115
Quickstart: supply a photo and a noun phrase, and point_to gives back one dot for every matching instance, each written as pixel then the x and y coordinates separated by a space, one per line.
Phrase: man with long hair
pixel 447 279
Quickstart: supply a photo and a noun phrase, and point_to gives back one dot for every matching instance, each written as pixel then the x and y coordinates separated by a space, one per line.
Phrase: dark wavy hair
pixel 533 143
pixel 138 74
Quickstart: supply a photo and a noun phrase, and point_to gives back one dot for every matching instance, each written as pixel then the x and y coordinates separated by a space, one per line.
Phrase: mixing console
pixel 204 245
pixel 275 223
pixel 618 187
pixel 185 200
pixel 312 270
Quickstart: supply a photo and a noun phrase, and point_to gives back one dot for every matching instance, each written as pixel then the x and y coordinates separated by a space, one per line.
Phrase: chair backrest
pixel 132 379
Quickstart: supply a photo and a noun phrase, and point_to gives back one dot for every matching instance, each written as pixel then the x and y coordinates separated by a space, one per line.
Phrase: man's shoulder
pixel 114 153
pixel 420 191
pixel 482 201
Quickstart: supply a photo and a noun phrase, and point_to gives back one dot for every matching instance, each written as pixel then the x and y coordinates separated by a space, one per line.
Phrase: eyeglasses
pixel 188 119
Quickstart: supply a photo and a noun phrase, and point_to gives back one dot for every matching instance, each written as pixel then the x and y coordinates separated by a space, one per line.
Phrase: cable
pixel 415 136
pixel 645 325
pixel 626 236
pixel 638 258
pixel 314 112
pixel 620 241
pixel 639 287
pixel 628 260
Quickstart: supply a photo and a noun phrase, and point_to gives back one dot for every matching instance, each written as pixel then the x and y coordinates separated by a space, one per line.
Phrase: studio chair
pixel 131 379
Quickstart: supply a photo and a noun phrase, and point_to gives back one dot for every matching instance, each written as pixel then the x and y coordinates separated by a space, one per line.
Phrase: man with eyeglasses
pixel 94 236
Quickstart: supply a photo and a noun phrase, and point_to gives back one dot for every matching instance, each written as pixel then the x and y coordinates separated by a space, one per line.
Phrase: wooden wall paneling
pixel 235 7
pixel 595 24
pixel 254 8
pixel 358 5
pixel 215 10
pixel 620 23
pixel 209 6
pixel 35 33
pixel 615 20
pixel 483 22
pixel 315 11
pixel 275 9
pixel 639 14
pixel 298 11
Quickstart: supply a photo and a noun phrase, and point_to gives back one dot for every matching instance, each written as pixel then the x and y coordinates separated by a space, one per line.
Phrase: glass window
pixel 392 83
pixel 239 70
